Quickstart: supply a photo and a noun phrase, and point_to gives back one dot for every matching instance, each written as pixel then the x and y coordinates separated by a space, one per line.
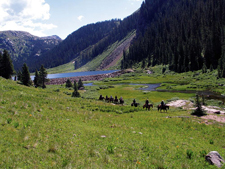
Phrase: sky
pixel 60 17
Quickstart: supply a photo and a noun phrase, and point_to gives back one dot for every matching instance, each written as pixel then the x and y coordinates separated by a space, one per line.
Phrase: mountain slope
pixel 24 47
pixel 187 35
pixel 76 42
pixel 87 42
pixel 113 51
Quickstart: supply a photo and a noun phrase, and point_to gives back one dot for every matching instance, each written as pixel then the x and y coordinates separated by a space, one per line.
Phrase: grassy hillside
pixel 93 64
pixel 50 129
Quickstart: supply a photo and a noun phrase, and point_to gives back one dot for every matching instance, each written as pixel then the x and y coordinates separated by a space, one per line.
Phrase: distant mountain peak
pixel 52 37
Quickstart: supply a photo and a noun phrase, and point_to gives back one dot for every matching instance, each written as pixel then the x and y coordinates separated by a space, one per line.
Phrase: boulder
pixel 214 158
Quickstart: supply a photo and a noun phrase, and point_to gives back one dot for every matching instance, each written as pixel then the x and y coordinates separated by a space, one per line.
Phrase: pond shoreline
pixel 58 81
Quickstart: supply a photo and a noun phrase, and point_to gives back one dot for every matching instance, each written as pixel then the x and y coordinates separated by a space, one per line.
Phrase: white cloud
pixel 25 15
pixel 80 17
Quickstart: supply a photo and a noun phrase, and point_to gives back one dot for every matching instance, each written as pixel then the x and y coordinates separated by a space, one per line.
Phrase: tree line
pixel 7 70
pixel 186 35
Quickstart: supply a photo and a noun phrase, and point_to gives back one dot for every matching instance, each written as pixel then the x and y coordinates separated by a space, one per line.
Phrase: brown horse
pixel 147 106
pixel 165 107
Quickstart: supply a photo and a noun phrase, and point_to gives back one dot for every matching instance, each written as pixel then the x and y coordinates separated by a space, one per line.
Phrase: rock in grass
pixel 214 158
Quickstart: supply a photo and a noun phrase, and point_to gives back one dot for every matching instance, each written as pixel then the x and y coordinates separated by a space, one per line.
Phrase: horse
pixel 116 100
pixel 121 101
pixel 135 104
pixel 165 107
pixel 111 99
pixel 101 98
pixel 106 99
pixel 147 106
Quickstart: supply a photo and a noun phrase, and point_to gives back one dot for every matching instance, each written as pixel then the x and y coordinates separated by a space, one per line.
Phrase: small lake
pixel 74 74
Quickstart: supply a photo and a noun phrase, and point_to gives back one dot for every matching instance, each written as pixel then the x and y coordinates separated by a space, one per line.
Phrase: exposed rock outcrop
pixel 214 158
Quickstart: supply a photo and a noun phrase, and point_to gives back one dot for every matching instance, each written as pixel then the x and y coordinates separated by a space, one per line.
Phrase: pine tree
pixel 19 75
pixel 80 84
pixel 42 76
pixel 68 83
pixel 6 65
pixel 25 79
pixel 37 79
pixel 198 111
pixel 75 92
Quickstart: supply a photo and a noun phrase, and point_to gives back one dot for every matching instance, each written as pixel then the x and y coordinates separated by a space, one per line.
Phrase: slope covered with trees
pixel 187 35
pixel 88 42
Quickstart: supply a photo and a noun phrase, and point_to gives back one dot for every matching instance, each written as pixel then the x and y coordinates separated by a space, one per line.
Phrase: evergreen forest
pixel 186 35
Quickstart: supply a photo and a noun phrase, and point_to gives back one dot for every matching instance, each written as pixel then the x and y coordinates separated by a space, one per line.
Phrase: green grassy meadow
pixel 47 128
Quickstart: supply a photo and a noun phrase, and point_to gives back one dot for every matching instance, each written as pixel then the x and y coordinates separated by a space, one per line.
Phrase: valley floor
pixel 47 128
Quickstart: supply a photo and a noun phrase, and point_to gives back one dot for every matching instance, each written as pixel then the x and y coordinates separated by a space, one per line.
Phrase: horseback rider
pixel 162 103
pixel 146 102
pixel 100 98
pixel 106 97
pixel 134 101
pixel 121 100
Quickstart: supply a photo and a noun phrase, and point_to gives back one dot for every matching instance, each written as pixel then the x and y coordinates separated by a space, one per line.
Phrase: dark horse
pixel 111 100
pixel 165 107
pixel 101 98
pixel 116 100
pixel 121 101
pixel 135 104
pixel 107 99
pixel 147 106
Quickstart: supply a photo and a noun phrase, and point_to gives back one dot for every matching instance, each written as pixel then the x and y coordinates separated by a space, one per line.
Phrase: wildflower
pixel 138 162
pixel 177 146
pixel 103 136
pixel 140 132
pixel 30 115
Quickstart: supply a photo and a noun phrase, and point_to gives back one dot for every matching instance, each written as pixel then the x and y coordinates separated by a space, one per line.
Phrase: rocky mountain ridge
pixel 23 46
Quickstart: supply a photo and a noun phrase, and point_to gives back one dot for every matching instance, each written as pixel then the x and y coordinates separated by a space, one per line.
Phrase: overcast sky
pixel 60 17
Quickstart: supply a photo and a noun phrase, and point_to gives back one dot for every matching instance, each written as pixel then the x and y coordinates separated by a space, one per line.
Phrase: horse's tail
pixel 158 107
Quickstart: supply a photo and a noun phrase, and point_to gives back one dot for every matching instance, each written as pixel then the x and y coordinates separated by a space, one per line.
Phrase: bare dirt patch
pixel 210 110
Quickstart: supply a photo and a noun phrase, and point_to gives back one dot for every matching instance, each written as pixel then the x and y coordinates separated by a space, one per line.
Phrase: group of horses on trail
pixel 147 105
pixel 112 100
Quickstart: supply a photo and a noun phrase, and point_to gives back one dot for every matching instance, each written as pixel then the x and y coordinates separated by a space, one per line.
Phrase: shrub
pixel 211 141
pixel 16 124
pixel 203 153
pixel 189 153
pixel 110 149
pixel 9 120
